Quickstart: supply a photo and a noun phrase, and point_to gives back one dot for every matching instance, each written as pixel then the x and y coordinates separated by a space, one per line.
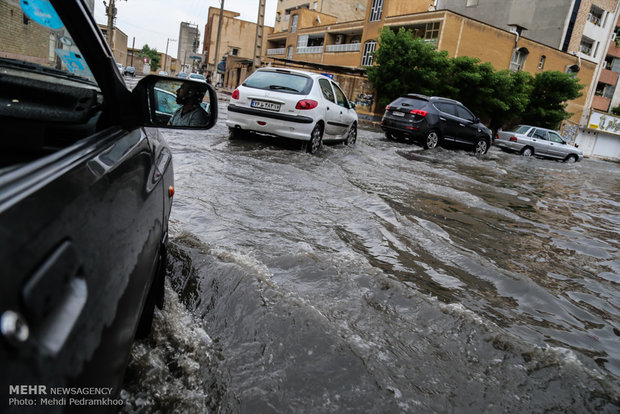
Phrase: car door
pixel 557 146
pixel 539 141
pixel 332 115
pixel 81 219
pixel 448 121
pixel 347 114
pixel 467 128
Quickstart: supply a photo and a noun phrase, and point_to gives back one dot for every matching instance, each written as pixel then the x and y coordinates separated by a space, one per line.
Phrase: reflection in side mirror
pixel 177 103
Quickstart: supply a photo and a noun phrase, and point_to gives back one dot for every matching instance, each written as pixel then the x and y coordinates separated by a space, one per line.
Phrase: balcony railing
pixel 278 51
pixel 309 49
pixel 347 47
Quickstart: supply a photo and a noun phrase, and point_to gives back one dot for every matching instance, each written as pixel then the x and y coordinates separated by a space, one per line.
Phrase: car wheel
pixel 352 135
pixel 316 138
pixel 482 146
pixel 527 152
pixel 389 136
pixel 571 158
pixel 431 140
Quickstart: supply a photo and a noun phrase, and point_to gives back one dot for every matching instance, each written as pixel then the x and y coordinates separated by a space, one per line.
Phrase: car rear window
pixel 520 129
pixel 279 81
pixel 414 103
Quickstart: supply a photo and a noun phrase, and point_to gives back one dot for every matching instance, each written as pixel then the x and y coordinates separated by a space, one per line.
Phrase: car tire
pixel 571 158
pixel 527 151
pixel 352 135
pixel 316 139
pixel 482 147
pixel 234 133
pixel 431 140
pixel 390 136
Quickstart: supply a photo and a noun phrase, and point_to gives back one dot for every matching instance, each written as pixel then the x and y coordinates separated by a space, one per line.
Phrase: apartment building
pixel 586 28
pixel 189 40
pixel 236 48
pixel 342 10
pixel 349 45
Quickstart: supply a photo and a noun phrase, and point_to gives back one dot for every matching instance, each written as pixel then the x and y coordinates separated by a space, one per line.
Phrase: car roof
pixel 430 98
pixel 544 129
pixel 312 75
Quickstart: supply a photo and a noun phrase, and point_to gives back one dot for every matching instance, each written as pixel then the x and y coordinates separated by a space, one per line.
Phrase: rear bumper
pixel 267 122
pixel 509 145
pixel 398 129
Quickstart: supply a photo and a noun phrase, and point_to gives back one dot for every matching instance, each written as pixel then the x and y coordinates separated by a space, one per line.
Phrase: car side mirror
pixel 351 105
pixel 176 103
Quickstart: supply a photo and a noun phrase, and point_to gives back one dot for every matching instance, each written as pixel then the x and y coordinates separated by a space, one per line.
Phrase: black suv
pixel 86 190
pixel 434 120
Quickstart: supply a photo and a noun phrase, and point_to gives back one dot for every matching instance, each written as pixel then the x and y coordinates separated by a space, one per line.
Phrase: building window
pixel 541 62
pixel 294 23
pixel 596 15
pixel 587 46
pixel 471 3
pixel 234 51
pixel 518 59
pixel 432 32
pixel 376 10
pixel 572 70
pixel 369 48
pixel 314 5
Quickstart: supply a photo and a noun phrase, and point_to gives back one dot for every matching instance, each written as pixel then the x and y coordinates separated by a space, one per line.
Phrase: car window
pixel 464 113
pixel 341 99
pixel 553 137
pixel 446 107
pixel 326 89
pixel 538 133
pixel 521 129
pixel 280 81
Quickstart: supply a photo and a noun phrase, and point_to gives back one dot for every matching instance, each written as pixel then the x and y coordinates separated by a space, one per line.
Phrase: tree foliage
pixel 550 91
pixel 152 55
pixel 404 64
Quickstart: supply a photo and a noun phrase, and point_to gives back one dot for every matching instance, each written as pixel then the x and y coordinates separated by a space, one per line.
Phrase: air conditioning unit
pixel 339 39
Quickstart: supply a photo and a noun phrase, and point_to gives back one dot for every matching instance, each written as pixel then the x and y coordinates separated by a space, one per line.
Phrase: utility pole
pixel 166 54
pixel 260 26
pixel 111 12
pixel 219 33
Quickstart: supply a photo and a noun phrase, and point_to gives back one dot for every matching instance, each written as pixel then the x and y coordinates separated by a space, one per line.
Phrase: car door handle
pixel 54 298
pixel 461 124
pixel 441 118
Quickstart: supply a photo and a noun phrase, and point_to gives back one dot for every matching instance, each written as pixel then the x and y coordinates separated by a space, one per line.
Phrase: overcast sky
pixel 153 22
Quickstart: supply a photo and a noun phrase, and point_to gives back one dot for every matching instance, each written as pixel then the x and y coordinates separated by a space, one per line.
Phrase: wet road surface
pixel 383 278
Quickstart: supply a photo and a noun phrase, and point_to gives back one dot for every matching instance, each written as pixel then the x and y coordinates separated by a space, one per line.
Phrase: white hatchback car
pixel 293 104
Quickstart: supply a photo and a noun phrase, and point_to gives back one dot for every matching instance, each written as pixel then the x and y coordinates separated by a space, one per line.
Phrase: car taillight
pixel 418 112
pixel 513 139
pixel 387 107
pixel 235 94
pixel 306 104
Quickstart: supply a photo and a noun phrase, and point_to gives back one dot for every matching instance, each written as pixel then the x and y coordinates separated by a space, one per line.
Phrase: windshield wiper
pixel 284 88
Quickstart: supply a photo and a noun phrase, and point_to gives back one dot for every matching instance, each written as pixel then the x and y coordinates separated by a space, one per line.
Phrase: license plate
pixel 270 106
pixel 395 113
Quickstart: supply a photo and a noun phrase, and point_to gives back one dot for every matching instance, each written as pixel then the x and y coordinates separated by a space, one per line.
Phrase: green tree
pixel 405 65
pixel 550 91
pixel 152 55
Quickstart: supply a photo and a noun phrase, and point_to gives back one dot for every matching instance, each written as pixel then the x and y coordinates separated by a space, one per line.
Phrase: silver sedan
pixel 534 141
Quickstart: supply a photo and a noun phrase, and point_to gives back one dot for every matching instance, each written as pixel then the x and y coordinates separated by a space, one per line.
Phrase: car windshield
pixel 280 81
pixel 34 38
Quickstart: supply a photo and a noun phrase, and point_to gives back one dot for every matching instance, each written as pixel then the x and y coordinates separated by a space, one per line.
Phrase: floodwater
pixel 382 278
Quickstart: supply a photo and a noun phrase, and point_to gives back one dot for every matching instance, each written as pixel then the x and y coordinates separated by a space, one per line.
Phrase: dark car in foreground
pixel 433 120
pixel 86 189
pixel 540 142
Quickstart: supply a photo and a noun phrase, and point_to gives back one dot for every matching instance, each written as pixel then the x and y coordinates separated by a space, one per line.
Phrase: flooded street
pixel 382 278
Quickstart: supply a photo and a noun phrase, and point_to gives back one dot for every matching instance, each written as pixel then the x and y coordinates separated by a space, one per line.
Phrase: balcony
pixel 601 103
pixel 348 47
pixel 609 77
pixel 277 51
pixel 309 49
pixel 613 50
